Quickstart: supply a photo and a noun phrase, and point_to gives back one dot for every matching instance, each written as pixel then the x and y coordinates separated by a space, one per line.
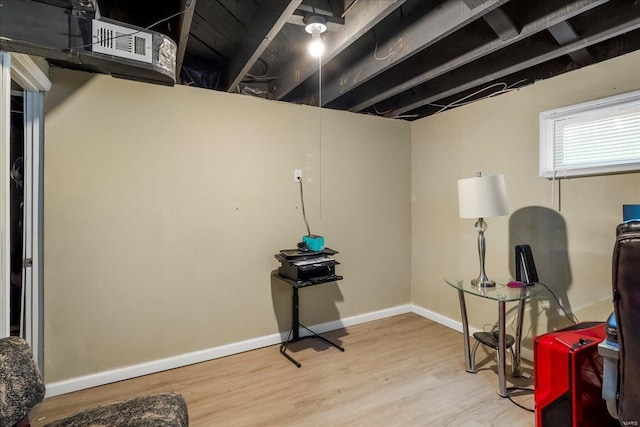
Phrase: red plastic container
pixel 568 378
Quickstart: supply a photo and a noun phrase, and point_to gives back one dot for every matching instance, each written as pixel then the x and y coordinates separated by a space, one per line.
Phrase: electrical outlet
pixel 297 175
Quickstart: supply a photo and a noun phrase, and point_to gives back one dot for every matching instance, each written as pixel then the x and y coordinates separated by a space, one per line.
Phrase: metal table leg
pixel 517 345
pixel 283 350
pixel 469 363
pixel 295 314
pixel 294 334
pixel 502 368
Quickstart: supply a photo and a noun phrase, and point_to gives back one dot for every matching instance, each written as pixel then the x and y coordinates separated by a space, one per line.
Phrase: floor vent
pixel 123 42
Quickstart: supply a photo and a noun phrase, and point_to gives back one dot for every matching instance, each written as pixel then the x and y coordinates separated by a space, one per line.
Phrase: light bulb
pixel 316 47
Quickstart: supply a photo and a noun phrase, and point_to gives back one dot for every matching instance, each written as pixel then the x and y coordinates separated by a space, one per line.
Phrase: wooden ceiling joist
pixel 422 33
pixel 396 84
pixel 501 24
pixel 564 34
pixel 510 63
pixel 266 25
pixel 189 6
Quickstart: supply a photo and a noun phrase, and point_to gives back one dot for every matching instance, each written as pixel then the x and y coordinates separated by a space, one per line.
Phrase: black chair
pixel 621 349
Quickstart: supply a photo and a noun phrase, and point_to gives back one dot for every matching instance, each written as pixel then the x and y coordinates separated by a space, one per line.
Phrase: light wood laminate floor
pixel 400 371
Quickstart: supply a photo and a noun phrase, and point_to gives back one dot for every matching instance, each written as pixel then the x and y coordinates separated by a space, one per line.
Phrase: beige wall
pixel 500 136
pixel 164 208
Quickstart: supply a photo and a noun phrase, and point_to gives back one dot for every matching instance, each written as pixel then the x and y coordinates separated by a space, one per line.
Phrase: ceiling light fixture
pixel 315 26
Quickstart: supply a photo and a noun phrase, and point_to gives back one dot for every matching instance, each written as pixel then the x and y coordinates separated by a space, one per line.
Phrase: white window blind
pixel 593 138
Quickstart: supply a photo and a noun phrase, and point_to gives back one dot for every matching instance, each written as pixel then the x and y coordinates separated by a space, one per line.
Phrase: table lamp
pixel 482 197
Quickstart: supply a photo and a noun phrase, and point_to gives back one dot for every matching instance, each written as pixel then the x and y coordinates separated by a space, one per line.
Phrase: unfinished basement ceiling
pixel 394 58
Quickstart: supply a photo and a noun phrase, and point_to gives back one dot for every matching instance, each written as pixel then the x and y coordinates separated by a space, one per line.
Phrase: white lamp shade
pixel 482 197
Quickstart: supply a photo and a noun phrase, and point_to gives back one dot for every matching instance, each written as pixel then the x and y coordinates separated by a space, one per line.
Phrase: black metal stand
pixel 294 333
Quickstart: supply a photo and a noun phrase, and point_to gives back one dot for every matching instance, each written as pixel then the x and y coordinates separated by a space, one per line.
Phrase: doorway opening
pixel 16 210
pixel 23 84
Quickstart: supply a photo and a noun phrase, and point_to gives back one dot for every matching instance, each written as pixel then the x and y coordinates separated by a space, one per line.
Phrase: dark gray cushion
pixel 21 386
pixel 161 410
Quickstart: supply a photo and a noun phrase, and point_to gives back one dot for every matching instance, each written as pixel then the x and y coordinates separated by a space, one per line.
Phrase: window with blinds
pixel 594 138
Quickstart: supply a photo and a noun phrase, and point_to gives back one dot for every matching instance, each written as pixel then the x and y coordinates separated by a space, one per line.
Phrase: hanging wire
pixel 391 116
pixel 457 103
pixel 530 390
pixel 383 113
pixel 262 77
pixel 375 53
pixel 320 130
pixel 572 317
pixel 304 213
pixel 505 89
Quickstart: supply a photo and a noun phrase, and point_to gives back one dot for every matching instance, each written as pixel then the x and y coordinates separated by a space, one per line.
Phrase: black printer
pixel 308 267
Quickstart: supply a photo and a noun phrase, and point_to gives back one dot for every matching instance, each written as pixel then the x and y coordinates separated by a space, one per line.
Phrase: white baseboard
pixel 128 372
pixel 439 318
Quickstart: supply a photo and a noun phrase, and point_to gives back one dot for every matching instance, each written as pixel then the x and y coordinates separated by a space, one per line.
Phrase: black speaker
pixel 525 266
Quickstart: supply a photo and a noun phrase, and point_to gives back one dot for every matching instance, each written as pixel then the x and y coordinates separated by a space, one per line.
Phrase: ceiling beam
pixel 264 27
pixel 184 25
pixel 463 80
pixel 84 7
pixel 36 28
pixel 501 24
pixel 561 13
pixel 360 18
pixel 422 33
pixel 472 4
pixel 564 34
pixel 337 7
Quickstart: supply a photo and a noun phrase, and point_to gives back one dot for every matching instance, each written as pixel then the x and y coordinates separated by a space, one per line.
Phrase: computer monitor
pixel 630 212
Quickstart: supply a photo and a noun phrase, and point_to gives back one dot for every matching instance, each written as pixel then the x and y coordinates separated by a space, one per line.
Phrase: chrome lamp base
pixel 483 284
pixel 482 281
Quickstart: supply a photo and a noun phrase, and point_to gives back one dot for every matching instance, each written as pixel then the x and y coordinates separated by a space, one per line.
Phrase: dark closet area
pixel 16 159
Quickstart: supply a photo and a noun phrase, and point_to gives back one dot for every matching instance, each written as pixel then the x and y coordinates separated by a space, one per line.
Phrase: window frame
pixel 546 138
